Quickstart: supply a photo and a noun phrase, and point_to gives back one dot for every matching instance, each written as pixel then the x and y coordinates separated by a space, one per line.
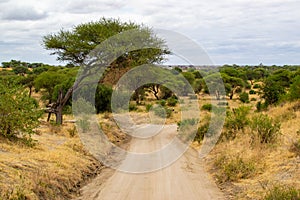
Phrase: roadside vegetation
pixel 256 156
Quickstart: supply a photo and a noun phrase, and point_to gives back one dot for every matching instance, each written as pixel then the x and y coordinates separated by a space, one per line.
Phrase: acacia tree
pixel 76 44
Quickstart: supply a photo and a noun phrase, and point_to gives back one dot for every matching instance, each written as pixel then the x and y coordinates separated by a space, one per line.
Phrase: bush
pixel 256 86
pixel 172 101
pixel 19 113
pixel 207 107
pixel 252 92
pixel 162 112
pixel 239 90
pixel 265 128
pixel 261 106
pixel 187 129
pixel 103 98
pixel 162 102
pixel 282 193
pixel 244 97
pixel 248 86
pixel 253 99
pixel 295 89
pixel 132 107
pixel 236 120
pixel 148 107
pixel 202 131
pixel 272 91
pixel 235 168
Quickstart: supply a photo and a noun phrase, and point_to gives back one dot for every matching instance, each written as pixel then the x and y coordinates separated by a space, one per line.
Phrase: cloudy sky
pixel 230 31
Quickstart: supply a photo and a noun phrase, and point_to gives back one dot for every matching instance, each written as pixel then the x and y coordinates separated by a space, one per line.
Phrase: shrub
pixel 162 102
pixel 282 193
pixel 132 107
pixel 272 91
pixel 239 90
pixel 103 98
pixel 253 99
pixel 256 86
pixel 187 129
pixel 265 128
pixel 172 101
pixel 248 86
pixel 148 107
pixel 295 89
pixel 202 131
pixel 162 112
pixel 252 92
pixel 207 107
pixel 261 106
pixel 84 124
pixel 234 168
pixel 244 97
pixel 19 113
pixel 235 121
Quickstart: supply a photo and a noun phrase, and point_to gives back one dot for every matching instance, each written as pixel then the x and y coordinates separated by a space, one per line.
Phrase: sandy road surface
pixel 185 179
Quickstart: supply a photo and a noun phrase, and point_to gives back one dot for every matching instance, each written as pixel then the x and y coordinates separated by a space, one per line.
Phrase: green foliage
pixel 132 107
pixel 253 99
pixel 252 92
pixel 162 102
pixel 162 112
pixel 103 98
pixel 172 101
pixel 178 69
pixel 21 70
pixel 234 168
pixel 189 76
pixel 207 107
pixel 202 130
pixel 272 91
pixel 84 124
pixel 244 97
pixel 236 120
pixel 261 106
pixel 198 85
pixel 281 192
pixel 295 89
pixel 76 44
pixel 148 107
pixel 265 128
pixel 256 86
pixel 281 77
pixel 47 81
pixel 19 113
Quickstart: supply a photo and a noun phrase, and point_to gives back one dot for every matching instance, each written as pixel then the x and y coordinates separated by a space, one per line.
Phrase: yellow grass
pixel 275 164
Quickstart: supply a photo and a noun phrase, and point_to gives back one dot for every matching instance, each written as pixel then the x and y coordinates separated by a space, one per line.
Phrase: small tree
pixel 19 113
pixel 295 89
pixel 272 92
pixel 244 97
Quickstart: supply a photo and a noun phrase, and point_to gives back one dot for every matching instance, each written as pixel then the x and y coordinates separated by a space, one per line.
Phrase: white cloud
pixel 232 31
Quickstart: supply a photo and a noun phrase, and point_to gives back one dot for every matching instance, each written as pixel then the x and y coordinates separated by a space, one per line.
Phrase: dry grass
pixel 53 169
pixel 277 164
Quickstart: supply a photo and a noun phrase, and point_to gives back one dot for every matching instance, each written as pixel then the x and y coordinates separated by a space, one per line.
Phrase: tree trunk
pixel 231 95
pixel 218 95
pixel 30 91
pixel 59 115
pixel 49 115
pixel 155 91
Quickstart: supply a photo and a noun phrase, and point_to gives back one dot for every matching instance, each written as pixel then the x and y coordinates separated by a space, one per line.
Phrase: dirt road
pixel 185 179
